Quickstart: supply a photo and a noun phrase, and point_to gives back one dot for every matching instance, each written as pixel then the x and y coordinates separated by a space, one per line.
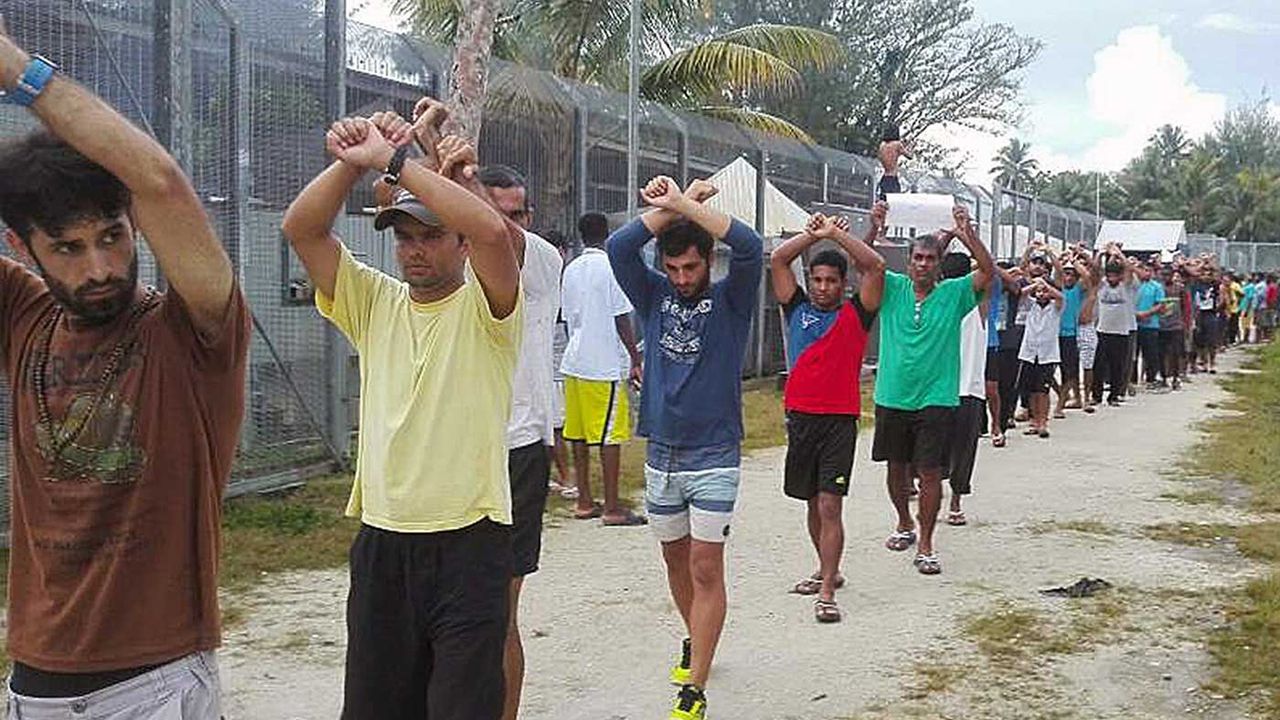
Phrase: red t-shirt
pixel 115 525
pixel 827 347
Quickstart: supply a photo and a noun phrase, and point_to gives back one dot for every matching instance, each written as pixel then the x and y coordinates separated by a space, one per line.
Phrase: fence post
pixel 335 98
pixel 579 162
pixel 762 184
pixel 682 154
pixel 172 77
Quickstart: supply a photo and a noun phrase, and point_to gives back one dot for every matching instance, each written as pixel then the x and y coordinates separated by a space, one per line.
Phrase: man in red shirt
pixel 826 339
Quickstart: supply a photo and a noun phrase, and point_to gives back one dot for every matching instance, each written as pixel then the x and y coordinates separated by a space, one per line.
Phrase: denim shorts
pixel 691 492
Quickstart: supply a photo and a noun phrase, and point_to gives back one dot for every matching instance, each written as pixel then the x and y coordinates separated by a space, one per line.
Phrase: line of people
pixel 128 401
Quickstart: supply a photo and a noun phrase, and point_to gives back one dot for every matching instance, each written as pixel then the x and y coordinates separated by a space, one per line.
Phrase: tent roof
pixel 737 198
pixel 1144 235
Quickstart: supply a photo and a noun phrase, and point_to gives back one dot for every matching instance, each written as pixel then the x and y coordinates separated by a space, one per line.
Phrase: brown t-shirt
pixel 114 555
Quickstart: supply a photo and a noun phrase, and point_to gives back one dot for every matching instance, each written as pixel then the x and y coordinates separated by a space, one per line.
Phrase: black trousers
pixel 966 431
pixel 1111 367
pixel 427 624
pixel 1149 343
pixel 1008 385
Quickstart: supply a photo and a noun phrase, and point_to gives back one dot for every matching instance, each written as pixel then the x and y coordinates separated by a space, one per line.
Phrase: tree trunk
pixel 469 80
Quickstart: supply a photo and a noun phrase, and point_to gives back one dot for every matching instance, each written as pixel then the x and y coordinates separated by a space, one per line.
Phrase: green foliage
pixel 1014 167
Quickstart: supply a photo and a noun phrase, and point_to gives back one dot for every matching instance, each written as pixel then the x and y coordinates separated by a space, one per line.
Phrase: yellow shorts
pixel 596 411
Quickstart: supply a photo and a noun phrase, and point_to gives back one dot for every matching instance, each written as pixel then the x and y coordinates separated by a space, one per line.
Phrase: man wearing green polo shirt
pixel 918 386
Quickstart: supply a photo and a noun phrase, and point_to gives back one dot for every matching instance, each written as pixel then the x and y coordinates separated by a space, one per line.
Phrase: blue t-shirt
pixel 1246 305
pixel 1072 302
pixel 1149 293
pixel 693 347
pixel 996 295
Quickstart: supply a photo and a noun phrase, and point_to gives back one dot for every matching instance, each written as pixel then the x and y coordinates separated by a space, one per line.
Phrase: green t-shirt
pixel 919 364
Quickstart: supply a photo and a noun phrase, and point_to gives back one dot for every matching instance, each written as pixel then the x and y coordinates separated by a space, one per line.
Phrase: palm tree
pixel 1194 191
pixel 469 81
pixel 1250 207
pixel 1171 144
pixel 586 40
pixel 1014 167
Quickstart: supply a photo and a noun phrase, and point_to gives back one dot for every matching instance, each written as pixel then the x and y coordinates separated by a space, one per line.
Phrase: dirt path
pixel 601 632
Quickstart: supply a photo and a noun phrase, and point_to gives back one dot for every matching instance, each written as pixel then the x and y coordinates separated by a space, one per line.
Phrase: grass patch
pixel 1195 497
pixel 1193 534
pixel 304 530
pixel 1244 446
pixel 1013 637
pixel 1088 527
pixel 1007 634
pixel 932 678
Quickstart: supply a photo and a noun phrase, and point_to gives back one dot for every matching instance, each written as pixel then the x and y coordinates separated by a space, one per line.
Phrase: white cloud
pixel 1230 22
pixel 1139 82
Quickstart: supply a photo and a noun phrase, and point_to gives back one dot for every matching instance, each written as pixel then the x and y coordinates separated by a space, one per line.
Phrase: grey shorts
pixel 185 689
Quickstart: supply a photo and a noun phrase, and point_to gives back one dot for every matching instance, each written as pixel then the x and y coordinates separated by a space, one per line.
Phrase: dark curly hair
pixel 47 184
pixel 677 239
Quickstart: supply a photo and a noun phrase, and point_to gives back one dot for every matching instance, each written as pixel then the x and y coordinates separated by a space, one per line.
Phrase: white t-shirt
pixel 1040 342
pixel 534 381
pixel 1116 307
pixel 973 355
pixel 592 299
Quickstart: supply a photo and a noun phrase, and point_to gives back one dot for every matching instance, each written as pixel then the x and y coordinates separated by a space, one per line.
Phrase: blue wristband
pixel 33 81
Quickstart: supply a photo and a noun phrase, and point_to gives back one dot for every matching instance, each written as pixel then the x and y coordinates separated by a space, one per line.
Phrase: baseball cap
pixel 405 203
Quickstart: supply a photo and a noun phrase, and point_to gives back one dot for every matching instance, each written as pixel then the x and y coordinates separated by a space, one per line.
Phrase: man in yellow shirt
pixel 430 568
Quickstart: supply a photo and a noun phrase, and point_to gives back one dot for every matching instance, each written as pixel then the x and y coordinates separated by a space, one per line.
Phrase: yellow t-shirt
pixel 435 393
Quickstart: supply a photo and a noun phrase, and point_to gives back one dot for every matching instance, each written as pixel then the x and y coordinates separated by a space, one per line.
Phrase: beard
pixel 95 311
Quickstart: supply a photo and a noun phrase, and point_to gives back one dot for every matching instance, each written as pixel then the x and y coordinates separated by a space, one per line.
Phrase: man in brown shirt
pixel 127 404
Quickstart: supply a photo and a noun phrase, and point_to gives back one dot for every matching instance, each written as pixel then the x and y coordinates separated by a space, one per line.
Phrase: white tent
pixel 737 198
pixel 1144 235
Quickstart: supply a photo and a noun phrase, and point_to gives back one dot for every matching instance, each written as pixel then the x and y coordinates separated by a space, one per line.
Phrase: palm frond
pixel 710 68
pixel 800 47
pixel 432 19
pixel 756 120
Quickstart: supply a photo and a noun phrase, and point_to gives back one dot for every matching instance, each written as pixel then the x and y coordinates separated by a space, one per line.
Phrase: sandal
pixel 812 585
pixel 956 518
pixel 568 492
pixel 998 441
pixel 596 511
pixel 1090 409
pixel 901 540
pixel 1031 431
pixel 1044 433
pixel 928 564
pixel 826 611
pixel 628 519
pixel 1059 415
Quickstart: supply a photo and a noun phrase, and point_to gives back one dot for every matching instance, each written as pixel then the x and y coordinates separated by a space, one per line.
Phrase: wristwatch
pixel 391 175
pixel 39 72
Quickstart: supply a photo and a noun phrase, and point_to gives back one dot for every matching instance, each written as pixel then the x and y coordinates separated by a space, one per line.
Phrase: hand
pixel 815 225
pixel 840 222
pixel 663 193
pixel 13 59
pixel 428 115
pixel 394 128
pixel 879 214
pixel 357 142
pixel 458 159
pixel 701 191
pixel 960 214
pixel 636 375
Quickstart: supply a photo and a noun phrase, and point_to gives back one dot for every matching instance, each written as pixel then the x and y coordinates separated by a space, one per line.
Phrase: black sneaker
pixel 691 704
pixel 682 673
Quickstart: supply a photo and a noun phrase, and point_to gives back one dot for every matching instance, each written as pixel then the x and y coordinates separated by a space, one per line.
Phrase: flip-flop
pixel 1060 415
pixel 812 585
pixel 1044 434
pixel 900 540
pixel 928 564
pixel 1090 409
pixel 957 519
pixel 629 519
pixel 596 511
pixel 826 611
pixel 998 441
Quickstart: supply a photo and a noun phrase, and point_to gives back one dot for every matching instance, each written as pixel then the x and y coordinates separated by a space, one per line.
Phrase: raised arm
pixel 969 238
pixel 308 223
pixel 784 281
pixel 870 264
pixel 165 206
pixel 457 160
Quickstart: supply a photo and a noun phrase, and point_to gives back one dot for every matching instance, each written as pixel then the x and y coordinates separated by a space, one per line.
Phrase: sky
pixel 1110 73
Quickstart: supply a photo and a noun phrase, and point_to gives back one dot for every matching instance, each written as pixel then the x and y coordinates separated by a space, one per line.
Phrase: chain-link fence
pixel 243 92
pixel 1243 257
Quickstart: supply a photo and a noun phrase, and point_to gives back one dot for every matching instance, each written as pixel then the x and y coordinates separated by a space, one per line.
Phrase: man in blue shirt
pixel 1149 307
pixel 691 407
pixel 1068 347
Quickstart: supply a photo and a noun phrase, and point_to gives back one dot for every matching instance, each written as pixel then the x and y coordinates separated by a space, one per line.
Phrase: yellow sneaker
pixel 691 704
pixel 682 673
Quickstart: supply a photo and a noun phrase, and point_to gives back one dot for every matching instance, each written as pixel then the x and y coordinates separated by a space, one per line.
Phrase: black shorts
pixel 889 184
pixel 1036 378
pixel 992 373
pixel 1069 349
pixel 530 471
pixel 1206 335
pixel 921 437
pixel 819 454
pixel 427 624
